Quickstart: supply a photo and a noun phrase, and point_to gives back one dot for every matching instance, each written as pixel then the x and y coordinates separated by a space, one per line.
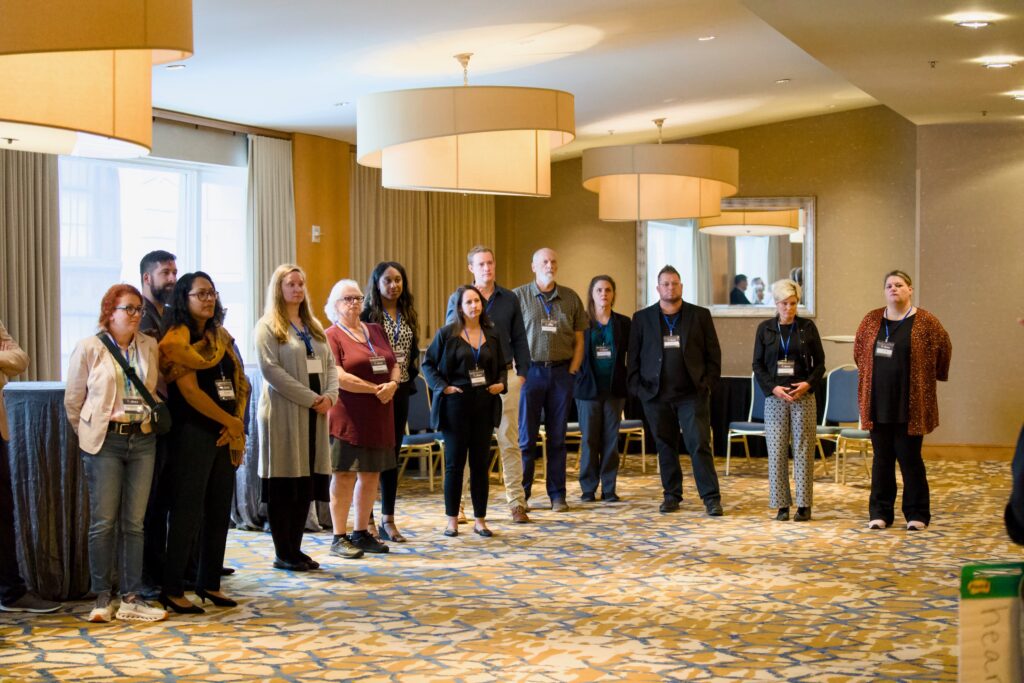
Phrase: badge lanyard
pixel 129 387
pixel 885 321
pixel 398 326
pixel 476 351
pixel 784 344
pixel 306 338
pixel 670 324
pixel 373 352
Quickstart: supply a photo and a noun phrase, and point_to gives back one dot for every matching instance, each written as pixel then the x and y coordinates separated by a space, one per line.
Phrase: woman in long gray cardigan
pixel 299 388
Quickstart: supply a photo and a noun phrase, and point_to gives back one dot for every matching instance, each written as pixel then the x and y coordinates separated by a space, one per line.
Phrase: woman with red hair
pixel 115 434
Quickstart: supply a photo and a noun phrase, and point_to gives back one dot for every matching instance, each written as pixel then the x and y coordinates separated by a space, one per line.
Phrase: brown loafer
pixel 518 514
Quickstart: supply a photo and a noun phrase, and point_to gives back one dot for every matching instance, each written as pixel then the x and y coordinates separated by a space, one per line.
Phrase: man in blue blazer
pixel 674 359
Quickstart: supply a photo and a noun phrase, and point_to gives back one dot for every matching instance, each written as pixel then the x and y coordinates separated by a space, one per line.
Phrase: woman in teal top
pixel 601 391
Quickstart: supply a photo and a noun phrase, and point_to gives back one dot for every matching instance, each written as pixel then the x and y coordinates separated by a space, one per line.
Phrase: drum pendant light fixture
pixel 77 75
pixel 764 223
pixel 470 139
pixel 660 182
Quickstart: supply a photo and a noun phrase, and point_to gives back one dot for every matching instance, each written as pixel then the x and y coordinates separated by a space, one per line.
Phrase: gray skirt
pixel 346 457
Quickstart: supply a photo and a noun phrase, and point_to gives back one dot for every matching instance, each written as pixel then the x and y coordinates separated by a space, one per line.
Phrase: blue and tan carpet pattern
pixel 603 592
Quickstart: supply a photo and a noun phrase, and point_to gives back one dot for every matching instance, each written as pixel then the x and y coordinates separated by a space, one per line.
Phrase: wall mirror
pixel 710 263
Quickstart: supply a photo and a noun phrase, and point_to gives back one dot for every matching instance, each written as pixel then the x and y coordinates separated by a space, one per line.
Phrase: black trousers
pixel 154 533
pixel 469 420
pixel 693 416
pixel 389 478
pixel 12 587
pixel 202 480
pixel 599 452
pixel 892 444
pixel 288 500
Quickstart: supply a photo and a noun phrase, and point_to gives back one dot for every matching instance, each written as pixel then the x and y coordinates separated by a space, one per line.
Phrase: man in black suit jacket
pixel 674 359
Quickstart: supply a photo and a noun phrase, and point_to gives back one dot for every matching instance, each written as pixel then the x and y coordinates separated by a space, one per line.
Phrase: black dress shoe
pixel 802 515
pixel 669 505
pixel 486 533
pixel 190 608
pixel 451 533
pixel 215 599
pixel 227 571
pixel 588 498
pixel 290 566
pixel 783 515
pixel 714 509
pixel 610 497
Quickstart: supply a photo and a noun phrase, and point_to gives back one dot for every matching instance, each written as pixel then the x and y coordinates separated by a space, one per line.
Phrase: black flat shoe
pixel 451 533
pixel 310 562
pixel 227 571
pixel 290 566
pixel 802 515
pixel 486 533
pixel 783 515
pixel 167 603
pixel 215 599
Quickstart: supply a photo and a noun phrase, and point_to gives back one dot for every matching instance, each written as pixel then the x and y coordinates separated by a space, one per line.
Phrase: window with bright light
pixel 114 212
pixel 671 244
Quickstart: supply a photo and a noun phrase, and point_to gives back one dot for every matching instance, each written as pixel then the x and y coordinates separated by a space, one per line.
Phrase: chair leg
pixel 728 455
pixel 643 451
pixel 746 448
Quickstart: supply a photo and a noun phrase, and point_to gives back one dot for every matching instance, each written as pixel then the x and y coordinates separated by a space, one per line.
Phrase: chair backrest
pixel 841 395
pixel 757 397
pixel 419 408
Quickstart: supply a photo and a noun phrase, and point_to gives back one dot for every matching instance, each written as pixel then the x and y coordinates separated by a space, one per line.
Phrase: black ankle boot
pixel 783 515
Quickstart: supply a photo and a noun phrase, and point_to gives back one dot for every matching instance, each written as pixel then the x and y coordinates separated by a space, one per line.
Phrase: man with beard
pixel 555 319
pixel 673 361
pixel 159 274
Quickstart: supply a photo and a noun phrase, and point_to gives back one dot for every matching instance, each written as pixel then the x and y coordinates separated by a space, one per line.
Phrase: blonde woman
pixel 299 388
pixel 789 363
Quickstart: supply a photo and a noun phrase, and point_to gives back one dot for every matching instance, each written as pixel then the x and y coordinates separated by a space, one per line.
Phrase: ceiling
pixel 302 66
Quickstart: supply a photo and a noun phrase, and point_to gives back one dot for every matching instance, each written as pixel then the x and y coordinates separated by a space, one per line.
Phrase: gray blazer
pixel 285 400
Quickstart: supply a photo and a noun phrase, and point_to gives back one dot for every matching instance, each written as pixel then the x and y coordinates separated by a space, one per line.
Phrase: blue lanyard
pixel 368 342
pixel 397 324
pixel 671 324
pixel 785 344
pixel 603 329
pixel 886 322
pixel 544 303
pixel 476 351
pixel 129 386
pixel 306 338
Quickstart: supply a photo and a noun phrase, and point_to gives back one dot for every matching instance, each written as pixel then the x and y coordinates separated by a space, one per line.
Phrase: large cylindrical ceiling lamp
pixel 77 76
pixel 660 182
pixel 473 139
pixel 769 223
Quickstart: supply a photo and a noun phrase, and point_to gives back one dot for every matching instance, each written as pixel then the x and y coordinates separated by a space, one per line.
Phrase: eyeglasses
pixel 205 294
pixel 353 299
pixel 130 310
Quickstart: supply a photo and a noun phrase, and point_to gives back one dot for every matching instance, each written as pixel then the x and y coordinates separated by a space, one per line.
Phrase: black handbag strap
pixel 129 371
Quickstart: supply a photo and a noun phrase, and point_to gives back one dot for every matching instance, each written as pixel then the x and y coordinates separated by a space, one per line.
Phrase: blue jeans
pixel 547 389
pixel 119 477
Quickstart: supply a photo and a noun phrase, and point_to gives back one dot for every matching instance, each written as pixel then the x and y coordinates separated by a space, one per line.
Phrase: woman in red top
pixel 901 352
pixel 362 421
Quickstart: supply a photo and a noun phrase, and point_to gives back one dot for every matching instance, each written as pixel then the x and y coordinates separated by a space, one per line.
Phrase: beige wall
pixel 321 176
pixel 971 272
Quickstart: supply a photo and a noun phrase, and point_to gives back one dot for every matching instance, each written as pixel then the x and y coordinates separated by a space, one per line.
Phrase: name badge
pixel 400 359
pixel 313 365
pixel 786 368
pixel 477 378
pixel 603 352
pixel 670 341
pixel 549 325
pixel 884 349
pixel 379 365
pixel 225 389
pixel 133 406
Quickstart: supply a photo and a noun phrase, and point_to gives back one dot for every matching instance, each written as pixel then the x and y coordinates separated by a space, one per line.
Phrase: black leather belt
pixel 125 428
pixel 550 363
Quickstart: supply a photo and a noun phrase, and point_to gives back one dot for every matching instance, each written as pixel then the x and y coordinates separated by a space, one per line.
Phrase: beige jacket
pixel 92 387
pixel 13 361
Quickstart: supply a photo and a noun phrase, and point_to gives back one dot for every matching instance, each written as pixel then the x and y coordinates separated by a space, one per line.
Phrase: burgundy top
pixel 361 419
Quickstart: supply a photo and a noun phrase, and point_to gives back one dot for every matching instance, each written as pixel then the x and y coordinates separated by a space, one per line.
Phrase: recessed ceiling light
pixel 175 67
pixel 974 19
pixel 975 23
pixel 782 81
pixel 1019 98
pixel 705 39
pixel 998 65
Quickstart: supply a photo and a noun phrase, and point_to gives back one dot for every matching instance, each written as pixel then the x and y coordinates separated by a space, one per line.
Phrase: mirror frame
pixel 807 204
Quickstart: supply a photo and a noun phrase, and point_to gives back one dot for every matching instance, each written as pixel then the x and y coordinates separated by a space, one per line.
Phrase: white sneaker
pixel 876 524
pixel 916 525
pixel 103 612
pixel 136 609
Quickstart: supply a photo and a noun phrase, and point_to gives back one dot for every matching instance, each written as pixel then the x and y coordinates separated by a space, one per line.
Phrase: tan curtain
pixel 427 232
pixel 702 266
pixel 270 216
pixel 30 258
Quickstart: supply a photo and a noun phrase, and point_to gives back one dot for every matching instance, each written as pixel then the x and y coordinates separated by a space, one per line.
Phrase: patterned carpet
pixel 604 592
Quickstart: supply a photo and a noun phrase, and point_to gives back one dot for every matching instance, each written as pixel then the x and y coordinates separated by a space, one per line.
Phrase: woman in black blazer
pixel 465 370
pixel 601 391
pixel 788 364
